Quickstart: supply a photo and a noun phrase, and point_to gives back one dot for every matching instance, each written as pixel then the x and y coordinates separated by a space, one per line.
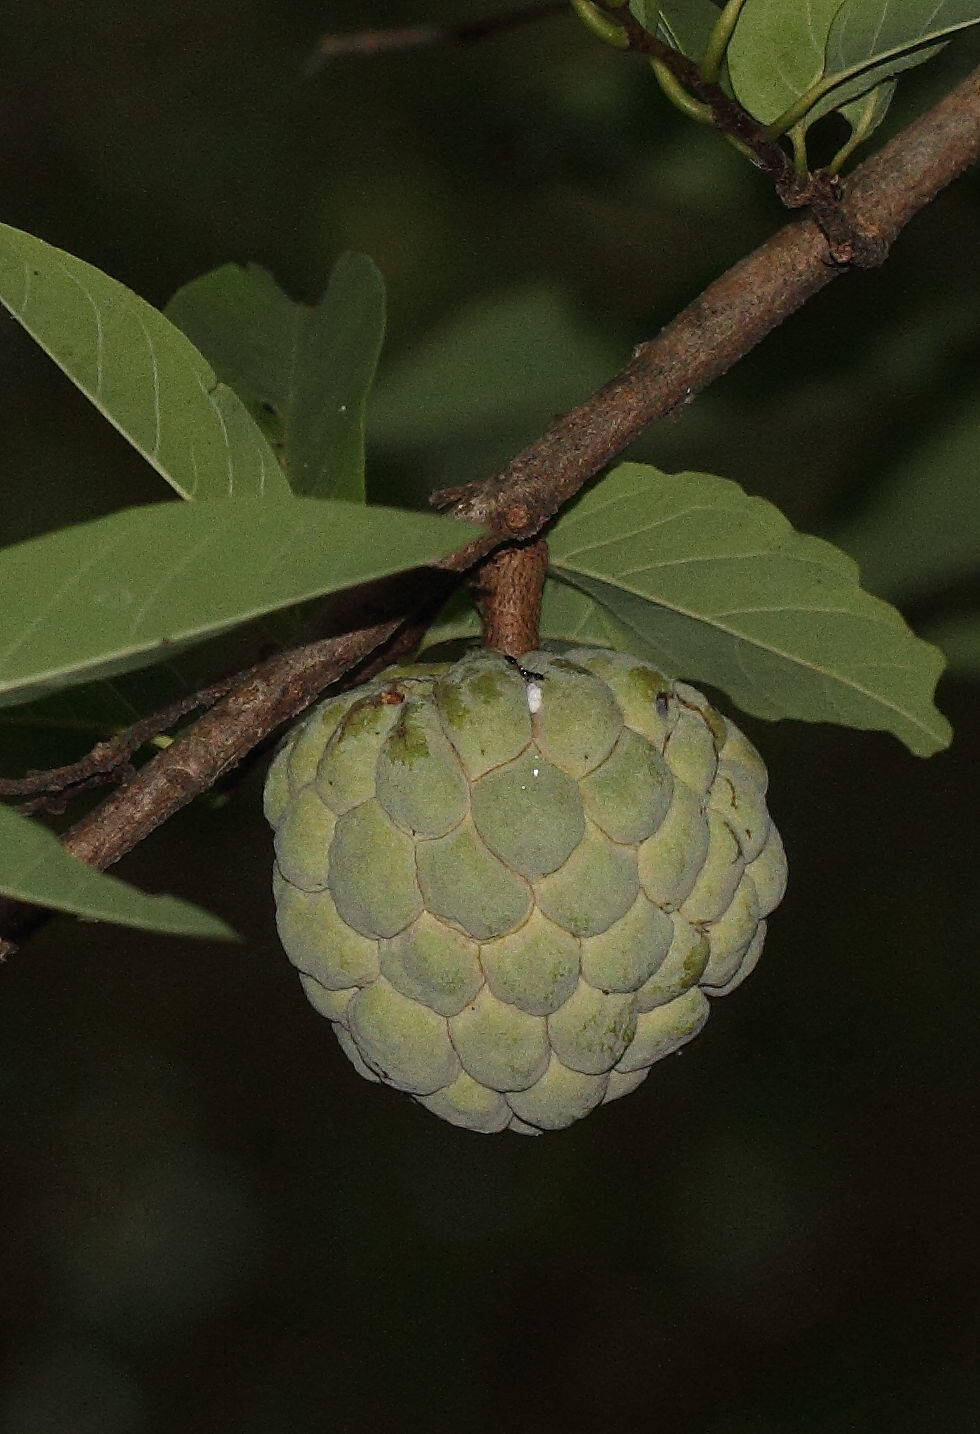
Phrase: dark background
pixel 210 1222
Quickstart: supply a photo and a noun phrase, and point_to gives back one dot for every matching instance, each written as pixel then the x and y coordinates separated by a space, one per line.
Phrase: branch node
pixel 849 242
pixel 517 517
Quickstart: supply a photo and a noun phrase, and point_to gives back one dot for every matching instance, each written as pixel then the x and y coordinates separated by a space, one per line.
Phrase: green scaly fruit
pixel 512 889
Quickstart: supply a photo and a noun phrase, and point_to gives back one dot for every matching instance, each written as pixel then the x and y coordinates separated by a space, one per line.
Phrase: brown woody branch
pixel 732 315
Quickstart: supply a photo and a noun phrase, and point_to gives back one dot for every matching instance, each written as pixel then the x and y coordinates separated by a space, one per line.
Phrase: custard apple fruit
pixel 512 889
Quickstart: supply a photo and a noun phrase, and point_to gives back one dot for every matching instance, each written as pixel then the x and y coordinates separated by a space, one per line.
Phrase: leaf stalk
pixel 678 95
pixel 603 26
pixel 801 107
pixel 714 55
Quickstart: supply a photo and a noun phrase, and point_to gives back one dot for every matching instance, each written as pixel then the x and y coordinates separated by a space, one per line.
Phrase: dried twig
pixel 725 322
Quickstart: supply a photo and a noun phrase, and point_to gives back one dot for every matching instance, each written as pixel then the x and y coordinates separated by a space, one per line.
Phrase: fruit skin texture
pixel 511 890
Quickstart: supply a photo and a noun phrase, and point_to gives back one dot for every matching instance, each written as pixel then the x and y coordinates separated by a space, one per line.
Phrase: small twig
pixel 249 714
pixel 727 114
pixel 508 595
pixel 820 192
pixel 368 43
pixel 115 752
pixel 54 803
pixel 108 761
pixel 686 84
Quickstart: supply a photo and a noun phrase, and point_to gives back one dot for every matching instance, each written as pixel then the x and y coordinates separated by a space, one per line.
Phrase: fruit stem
pixel 508 596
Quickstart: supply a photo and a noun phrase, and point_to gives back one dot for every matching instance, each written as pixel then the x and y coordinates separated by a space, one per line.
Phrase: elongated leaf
pixel 139 370
pixel 872 40
pixel 959 639
pixel 490 367
pixel 686 25
pixel 568 614
pixel 456 622
pixel 135 587
pixel 779 51
pixel 35 867
pixel 307 371
pixel 866 113
pixel 63 726
pixel 920 528
pixel 716 586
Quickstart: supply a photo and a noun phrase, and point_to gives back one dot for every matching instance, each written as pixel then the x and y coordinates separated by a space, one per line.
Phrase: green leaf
pixel 872 40
pixel 139 371
pixel 866 113
pixel 457 621
pixel 63 726
pixel 135 587
pixel 35 867
pixel 568 614
pixel 504 363
pixel 685 25
pixel 307 371
pixel 777 52
pixel 959 639
pixel 717 587
pixel 920 527
pixel 780 52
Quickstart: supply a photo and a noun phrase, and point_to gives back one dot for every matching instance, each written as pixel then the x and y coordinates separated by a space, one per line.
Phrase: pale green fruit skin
pixel 511 895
